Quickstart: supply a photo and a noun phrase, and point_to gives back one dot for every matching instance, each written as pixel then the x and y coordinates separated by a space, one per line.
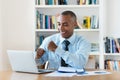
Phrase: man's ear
pixel 75 23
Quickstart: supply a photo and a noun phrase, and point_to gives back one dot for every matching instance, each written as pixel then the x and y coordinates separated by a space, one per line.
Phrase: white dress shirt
pixel 77 56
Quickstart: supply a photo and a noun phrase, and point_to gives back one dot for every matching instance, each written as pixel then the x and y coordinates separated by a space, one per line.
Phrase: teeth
pixel 62 32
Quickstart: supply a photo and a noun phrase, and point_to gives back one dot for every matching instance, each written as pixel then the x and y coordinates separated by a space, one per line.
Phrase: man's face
pixel 66 25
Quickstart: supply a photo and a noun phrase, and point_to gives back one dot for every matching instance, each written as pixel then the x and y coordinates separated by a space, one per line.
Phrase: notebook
pixel 24 61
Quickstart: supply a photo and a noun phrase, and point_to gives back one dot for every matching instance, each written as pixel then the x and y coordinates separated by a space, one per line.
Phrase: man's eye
pixel 58 24
pixel 65 24
pixel 62 24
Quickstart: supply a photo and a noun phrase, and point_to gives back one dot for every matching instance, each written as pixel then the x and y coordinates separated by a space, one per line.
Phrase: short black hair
pixel 71 13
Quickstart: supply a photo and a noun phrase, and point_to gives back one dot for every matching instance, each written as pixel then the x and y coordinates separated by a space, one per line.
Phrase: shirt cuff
pixel 38 62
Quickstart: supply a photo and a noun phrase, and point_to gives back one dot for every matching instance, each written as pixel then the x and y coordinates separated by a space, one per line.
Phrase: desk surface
pixel 9 75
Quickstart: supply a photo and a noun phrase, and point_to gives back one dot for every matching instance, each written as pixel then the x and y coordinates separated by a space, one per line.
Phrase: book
pixel 94 47
pixel 118 39
pixel 86 22
pixel 107 44
pixel 70 70
pixel 72 2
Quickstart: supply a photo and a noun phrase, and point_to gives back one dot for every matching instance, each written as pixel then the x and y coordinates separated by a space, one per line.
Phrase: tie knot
pixel 66 42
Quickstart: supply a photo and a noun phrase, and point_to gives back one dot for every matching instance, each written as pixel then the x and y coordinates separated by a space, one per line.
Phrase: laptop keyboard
pixel 45 70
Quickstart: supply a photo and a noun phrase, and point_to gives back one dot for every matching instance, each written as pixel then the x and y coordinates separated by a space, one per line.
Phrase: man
pixel 52 48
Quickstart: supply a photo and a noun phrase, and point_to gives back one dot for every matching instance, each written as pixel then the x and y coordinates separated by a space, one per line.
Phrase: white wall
pixel 18 26
pixel 113 18
pixel 1 35
pixel 105 18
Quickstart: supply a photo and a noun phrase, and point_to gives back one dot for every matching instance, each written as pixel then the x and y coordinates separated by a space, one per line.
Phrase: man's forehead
pixel 63 17
pixel 62 22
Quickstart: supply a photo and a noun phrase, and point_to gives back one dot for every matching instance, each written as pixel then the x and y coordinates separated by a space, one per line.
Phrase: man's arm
pixel 40 52
pixel 52 46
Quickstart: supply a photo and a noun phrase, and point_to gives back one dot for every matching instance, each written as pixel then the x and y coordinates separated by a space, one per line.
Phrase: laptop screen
pixel 23 61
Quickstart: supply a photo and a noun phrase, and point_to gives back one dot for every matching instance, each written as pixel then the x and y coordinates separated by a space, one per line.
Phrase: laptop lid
pixel 23 61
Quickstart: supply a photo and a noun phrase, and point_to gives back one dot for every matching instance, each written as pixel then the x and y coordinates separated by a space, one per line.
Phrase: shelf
pixel 95 53
pixel 67 6
pixel 112 54
pixel 76 30
pixel 90 30
pixel 46 30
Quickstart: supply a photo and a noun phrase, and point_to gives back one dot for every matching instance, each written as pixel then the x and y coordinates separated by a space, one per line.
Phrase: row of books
pixel 45 21
pixel 112 45
pixel 94 47
pixel 90 22
pixel 39 40
pixel 112 65
pixel 50 22
pixel 66 2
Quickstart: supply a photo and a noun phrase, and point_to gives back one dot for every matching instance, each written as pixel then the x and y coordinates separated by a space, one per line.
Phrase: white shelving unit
pixel 112 54
pixel 93 35
pixel 67 6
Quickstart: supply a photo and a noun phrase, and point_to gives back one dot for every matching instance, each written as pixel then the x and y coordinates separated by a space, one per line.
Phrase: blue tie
pixel 65 47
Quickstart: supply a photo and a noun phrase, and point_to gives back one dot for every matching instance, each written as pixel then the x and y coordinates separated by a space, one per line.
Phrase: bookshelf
pixel 112 53
pixel 94 35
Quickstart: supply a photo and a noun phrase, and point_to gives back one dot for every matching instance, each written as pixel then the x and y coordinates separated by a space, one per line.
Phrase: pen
pixel 100 72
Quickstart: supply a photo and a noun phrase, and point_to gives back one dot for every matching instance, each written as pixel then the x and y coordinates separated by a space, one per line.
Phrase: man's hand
pixel 52 46
pixel 40 52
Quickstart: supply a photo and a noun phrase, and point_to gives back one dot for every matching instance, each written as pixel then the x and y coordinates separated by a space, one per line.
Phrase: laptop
pixel 24 61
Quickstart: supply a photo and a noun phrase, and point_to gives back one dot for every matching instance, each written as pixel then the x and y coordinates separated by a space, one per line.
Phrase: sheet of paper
pixel 90 73
pixel 59 74
pixel 69 69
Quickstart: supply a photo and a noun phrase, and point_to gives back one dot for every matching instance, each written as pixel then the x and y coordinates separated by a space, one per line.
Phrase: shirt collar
pixel 71 39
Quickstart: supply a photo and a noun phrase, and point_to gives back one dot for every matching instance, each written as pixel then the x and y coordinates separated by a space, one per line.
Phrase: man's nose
pixel 61 27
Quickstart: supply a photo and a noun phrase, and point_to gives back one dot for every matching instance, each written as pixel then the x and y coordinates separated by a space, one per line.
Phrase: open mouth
pixel 63 33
